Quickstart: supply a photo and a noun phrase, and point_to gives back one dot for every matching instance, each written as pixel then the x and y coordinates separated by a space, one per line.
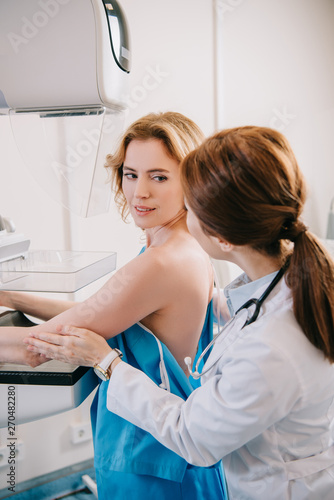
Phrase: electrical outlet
pixel 81 432
pixel 6 453
pixel 3 456
pixel 19 451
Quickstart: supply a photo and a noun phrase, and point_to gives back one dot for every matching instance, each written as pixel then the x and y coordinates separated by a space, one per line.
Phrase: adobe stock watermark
pixel 31 27
pixel 100 302
pixel 281 118
pixel 150 81
pixel 84 147
pixel 227 6
pixel 75 155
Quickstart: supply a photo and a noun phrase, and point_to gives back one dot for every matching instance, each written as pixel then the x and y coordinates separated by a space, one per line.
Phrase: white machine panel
pixel 62 53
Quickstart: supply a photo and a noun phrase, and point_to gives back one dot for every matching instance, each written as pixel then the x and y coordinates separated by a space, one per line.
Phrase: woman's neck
pixel 159 234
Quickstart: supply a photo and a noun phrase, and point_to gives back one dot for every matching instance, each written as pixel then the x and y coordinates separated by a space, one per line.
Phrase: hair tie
pixel 292 230
pixel 298 229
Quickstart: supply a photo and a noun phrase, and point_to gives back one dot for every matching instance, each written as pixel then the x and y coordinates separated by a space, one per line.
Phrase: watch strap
pixel 102 369
pixel 109 358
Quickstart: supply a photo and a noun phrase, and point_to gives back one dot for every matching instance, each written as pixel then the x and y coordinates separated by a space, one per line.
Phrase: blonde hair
pixel 179 135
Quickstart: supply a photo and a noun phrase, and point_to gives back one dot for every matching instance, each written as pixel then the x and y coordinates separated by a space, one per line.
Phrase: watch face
pixel 103 375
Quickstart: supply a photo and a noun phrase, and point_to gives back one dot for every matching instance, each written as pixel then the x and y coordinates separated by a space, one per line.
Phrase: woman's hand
pixel 20 356
pixel 30 358
pixel 13 350
pixel 73 345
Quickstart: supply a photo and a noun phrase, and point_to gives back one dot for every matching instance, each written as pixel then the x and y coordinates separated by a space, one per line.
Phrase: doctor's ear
pixel 222 244
pixel 225 246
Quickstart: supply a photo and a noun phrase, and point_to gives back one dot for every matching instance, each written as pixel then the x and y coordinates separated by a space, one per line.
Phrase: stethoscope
pixel 258 304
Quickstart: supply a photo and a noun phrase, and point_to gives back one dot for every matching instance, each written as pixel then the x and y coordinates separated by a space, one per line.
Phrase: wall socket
pixel 5 453
pixel 3 456
pixel 20 451
pixel 81 432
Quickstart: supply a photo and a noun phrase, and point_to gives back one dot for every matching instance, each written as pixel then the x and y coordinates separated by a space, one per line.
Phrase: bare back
pixel 186 282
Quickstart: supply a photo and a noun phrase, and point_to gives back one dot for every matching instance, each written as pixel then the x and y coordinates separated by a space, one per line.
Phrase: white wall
pixel 174 41
pixel 276 68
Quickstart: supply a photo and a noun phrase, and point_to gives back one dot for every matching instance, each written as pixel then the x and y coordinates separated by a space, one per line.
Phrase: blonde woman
pixel 156 309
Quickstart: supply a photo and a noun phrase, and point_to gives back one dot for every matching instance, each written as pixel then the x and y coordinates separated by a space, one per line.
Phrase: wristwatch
pixel 101 369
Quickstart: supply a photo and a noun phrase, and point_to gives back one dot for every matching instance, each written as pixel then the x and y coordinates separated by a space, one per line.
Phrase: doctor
pixel 266 403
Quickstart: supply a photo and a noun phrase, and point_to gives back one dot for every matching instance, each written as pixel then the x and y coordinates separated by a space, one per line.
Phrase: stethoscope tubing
pixel 196 374
pixel 258 304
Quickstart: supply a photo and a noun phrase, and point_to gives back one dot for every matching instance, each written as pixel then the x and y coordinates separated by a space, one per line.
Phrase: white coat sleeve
pixel 223 414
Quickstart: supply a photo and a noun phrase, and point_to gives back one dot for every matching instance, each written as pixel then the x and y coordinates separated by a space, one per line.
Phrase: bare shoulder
pixel 179 262
pixel 182 261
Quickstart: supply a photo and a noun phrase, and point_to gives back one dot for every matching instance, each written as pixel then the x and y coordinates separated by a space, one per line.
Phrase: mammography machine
pixel 64 75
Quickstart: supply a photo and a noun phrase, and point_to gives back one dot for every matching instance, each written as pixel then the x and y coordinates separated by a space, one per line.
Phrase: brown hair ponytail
pixel 244 185
pixel 311 279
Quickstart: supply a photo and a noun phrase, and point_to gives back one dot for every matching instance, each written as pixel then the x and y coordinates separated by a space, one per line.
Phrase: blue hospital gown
pixel 129 462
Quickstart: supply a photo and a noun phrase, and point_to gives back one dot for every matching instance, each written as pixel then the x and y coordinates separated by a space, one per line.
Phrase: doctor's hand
pixel 73 345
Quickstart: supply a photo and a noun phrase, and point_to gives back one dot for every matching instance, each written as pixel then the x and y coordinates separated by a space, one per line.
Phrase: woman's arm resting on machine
pixel 39 307
pixel 135 291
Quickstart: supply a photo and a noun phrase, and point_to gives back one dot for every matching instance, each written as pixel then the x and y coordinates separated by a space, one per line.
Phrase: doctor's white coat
pixel 266 408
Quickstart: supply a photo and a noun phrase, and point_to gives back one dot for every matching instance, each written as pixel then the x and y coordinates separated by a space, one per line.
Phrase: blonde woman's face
pixel 151 183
